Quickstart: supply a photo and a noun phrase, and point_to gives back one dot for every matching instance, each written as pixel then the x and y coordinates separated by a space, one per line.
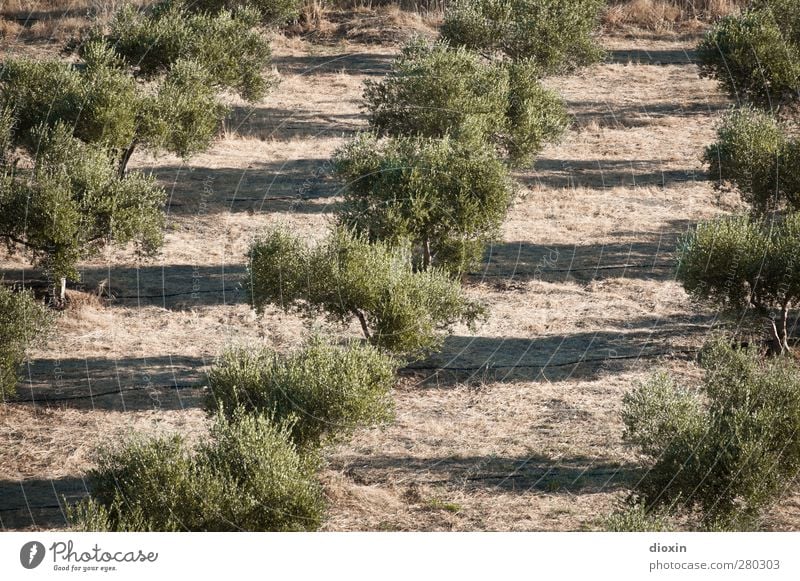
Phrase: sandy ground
pixel 513 427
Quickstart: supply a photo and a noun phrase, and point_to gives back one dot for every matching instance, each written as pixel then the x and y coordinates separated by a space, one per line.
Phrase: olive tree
pixel 757 155
pixel 152 81
pixel 555 35
pixel 23 320
pixel 446 197
pixel 723 450
pixel 247 475
pixel 755 55
pixel 72 202
pixel 746 265
pixel 433 91
pixel 325 391
pixel 272 12
pixel 227 45
pixel 345 277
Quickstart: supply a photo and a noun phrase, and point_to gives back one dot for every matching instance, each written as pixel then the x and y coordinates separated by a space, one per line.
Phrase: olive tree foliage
pixel 324 391
pixel 247 476
pixel 746 265
pixel 724 450
pixel 271 12
pixel 433 91
pixel 755 55
pixel 23 320
pixel 757 155
pixel 346 277
pixel 152 81
pixel 447 197
pixel 556 36
pixel 70 202
pixel 225 44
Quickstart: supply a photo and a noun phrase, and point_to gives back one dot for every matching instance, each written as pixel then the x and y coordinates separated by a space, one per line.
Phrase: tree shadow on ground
pixel 293 186
pixel 38 503
pixel 177 287
pixel 631 255
pixel 603 114
pixel 605 173
pixel 652 57
pixel 582 355
pixel 373 64
pixel 287 124
pixel 166 382
pixel 535 473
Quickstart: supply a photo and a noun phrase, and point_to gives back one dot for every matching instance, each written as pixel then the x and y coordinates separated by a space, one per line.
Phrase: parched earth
pixel 514 426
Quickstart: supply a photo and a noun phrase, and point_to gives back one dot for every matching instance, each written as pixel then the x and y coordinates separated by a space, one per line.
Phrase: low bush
pixel 324 391
pixel 556 35
pixel 272 12
pixel 448 198
pixel 435 91
pixel 73 202
pixel 346 277
pixel 248 476
pixel 746 266
pixel 22 321
pixel 755 56
pixel 636 519
pixel 755 154
pixel 726 451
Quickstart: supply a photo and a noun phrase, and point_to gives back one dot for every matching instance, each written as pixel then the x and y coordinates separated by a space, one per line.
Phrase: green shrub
pixel 73 202
pixel 636 519
pixel 755 154
pixel 746 266
pixel 726 451
pixel 22 321
pixel 325 390
pixel 449 199
pixel 434 91
pixel 557 35
pixel 273 12
pixel 183 116
pixel 755 56
pixel 247 477
pixel 152 81
pixel 224 44
pixel 105 106
pixel 346 277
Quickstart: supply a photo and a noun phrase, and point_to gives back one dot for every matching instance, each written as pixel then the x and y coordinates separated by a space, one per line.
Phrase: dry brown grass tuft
pixel 667 14
pixel 387 24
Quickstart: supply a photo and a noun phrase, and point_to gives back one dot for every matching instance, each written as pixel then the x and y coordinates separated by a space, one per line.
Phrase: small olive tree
pixel 555 35
pixel 22 321
pixel 152 81
pixel 447 197
pixel 324 391
pixel 434 91
pixel 755 154
pixel 726 450
pixel 755 56
pixel 247 476
pixel 346 277
pixel 72 201
pixel 742 264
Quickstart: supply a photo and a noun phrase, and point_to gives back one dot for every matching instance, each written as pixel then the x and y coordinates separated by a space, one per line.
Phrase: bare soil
pixel 513 427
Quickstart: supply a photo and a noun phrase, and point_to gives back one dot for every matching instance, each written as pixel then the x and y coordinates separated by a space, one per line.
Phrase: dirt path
pixel 514 427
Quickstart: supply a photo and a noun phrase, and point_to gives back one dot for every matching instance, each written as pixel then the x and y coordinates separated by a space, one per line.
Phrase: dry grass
pixel 667 14
pixel 522 432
